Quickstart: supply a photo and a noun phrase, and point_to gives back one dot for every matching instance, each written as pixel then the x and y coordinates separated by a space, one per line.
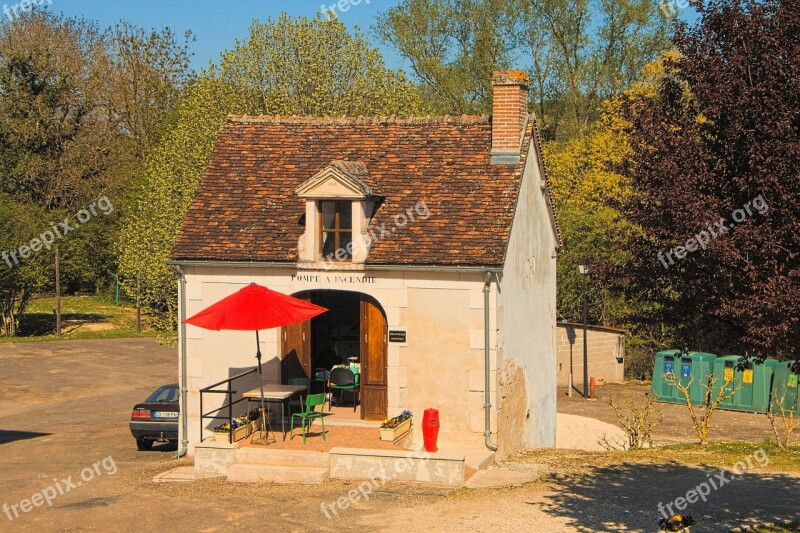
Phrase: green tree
pixel 453 46
pixel 55 132
pixel 20 277
pixel 579 52
pixel 297 66
pixel 599 47
pixel 147 71
pixel 158 200
pixel 287 66
pixel 79 114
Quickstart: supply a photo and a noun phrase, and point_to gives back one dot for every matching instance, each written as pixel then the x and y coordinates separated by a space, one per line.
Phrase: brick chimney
pixel 509 115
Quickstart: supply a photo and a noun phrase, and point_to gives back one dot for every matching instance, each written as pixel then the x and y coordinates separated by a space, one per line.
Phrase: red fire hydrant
pixel 430 429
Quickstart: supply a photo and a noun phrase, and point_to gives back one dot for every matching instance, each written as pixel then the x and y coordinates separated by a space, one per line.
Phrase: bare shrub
pixel 701 416
pixel 789 424
pixel 637 420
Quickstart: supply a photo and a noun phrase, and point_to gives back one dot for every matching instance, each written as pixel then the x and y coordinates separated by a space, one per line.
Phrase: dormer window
pixel 339 200
pixel 336 230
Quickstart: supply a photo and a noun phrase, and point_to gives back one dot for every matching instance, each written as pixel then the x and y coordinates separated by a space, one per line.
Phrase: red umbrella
pixel 254 308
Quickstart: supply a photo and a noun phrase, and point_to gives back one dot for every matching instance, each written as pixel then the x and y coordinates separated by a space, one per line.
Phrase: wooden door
pixel 374 395
pixel 296 349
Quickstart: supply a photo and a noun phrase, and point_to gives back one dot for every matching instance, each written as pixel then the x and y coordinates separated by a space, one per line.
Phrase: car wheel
pixel 144 444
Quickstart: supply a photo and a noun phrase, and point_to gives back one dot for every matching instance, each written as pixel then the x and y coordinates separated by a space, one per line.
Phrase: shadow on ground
pixel 627 497
pixel 163 447
pixel 11 436
pixel 38 324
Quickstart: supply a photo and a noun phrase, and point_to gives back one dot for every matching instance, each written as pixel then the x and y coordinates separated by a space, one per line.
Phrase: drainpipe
pixel 487 364
pixel 184 447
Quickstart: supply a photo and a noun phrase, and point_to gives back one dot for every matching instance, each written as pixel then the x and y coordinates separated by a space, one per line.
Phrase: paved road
pixel 64 406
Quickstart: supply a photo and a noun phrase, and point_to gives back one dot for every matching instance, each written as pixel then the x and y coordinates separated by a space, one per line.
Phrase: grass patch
pixel 785 527
pixel 716 454
pixel 82 317
pixel 725 454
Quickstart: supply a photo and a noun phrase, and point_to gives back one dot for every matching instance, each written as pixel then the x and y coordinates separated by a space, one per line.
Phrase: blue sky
pixel 218 23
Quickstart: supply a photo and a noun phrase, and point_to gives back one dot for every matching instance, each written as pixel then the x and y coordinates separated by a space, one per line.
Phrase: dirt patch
pixel 92 326
pixel 676 426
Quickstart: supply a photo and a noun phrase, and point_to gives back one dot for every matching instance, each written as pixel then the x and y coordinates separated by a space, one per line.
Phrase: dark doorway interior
pixel 340 324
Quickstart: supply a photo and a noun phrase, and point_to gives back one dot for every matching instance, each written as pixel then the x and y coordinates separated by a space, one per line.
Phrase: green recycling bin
pixel 785 389
pixel 693 371
pixel 751 381
pixel 664 364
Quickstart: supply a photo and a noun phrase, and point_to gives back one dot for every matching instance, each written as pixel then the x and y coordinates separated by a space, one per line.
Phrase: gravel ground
pixel 64 406
pixel 676 426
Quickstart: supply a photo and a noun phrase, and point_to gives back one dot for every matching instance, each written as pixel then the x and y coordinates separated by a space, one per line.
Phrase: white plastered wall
pixel 440 365
pixel 527 317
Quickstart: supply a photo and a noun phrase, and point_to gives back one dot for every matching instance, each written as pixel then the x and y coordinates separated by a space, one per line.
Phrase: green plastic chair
pixel 298 400
pixel 309 415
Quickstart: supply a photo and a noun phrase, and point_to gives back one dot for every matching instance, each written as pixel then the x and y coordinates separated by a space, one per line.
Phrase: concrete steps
pixel 477 459
pixel 280 457
pixel 256 473
pixel 254 465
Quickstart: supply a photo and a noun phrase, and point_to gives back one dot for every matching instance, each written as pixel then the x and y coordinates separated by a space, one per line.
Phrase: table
pixel 277 393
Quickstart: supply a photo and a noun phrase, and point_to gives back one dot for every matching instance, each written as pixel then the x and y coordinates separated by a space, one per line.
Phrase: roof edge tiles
pixel 327 120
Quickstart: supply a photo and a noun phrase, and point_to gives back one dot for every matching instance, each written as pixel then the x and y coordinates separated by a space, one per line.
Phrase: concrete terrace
pixel 352 449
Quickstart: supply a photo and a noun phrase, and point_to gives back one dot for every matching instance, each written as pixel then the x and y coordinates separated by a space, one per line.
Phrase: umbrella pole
pixel 264 420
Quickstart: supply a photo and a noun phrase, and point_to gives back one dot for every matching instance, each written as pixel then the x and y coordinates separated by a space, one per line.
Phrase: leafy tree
pixel 297 66
pixel 20 277
pixel 157 202
pixel 147 71
pixel 581 51
pixel 453 46
pixel 600 47
pixel 86 254
pixel 79 113
pixel 589 192
pixel 54 125
pixel 719 141
pixel 287 67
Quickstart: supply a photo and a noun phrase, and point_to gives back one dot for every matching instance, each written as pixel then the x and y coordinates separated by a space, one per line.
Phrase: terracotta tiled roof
pixel 245 208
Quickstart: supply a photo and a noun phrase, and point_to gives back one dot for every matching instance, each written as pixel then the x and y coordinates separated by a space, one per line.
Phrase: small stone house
pixel 431 240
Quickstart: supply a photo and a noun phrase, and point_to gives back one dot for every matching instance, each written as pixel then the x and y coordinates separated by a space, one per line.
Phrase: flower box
pixel 241 432
pixel 221 437
pixel 390 434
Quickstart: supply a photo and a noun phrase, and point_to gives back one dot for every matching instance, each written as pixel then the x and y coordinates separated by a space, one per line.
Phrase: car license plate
pixel 165 414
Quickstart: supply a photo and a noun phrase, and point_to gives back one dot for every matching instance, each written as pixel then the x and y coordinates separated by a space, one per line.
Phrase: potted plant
pixel 221 433
pixel 241 427
pixel 397 426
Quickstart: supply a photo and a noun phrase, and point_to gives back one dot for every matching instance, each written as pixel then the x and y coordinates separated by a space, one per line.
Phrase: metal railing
pixel 229 406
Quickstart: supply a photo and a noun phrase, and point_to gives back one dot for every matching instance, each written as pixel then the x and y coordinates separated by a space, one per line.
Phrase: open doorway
pixel 352 333
pixel 335 335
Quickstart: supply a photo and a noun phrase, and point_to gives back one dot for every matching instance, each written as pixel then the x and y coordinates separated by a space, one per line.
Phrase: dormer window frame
pixel 337 229
pixel 342 182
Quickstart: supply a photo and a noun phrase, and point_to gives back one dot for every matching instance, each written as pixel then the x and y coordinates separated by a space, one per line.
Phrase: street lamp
pixel 583 268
